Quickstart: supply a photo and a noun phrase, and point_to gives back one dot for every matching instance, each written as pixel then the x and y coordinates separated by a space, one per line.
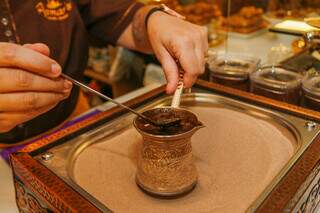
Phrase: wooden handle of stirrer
pixel 177 94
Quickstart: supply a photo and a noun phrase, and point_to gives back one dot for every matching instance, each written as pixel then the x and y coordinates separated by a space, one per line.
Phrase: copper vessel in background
pixel 165 162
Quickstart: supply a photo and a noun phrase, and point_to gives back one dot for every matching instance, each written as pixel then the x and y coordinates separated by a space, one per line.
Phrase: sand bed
pixel 237 156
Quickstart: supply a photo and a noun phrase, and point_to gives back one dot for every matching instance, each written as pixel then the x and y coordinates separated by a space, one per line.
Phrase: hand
pixel 29 83
pixel 173 39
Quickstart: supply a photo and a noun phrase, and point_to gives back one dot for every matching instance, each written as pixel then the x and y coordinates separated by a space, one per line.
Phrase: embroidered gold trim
pixel 54 10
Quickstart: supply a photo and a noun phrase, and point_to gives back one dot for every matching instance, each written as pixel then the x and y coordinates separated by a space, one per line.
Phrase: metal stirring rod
pixel 109 99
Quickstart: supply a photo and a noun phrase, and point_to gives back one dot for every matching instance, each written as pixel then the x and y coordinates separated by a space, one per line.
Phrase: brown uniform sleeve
pixel 105 20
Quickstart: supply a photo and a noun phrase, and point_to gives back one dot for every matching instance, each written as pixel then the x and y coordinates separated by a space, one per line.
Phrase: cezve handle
pixel 177 94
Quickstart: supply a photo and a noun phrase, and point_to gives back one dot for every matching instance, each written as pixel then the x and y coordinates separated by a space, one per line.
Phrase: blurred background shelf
pixel 98 76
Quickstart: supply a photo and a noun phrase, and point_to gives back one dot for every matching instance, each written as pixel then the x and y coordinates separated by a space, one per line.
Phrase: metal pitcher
pixel 165 162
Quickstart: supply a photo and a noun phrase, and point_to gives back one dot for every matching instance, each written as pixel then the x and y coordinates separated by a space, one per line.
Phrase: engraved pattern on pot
pixel 165 162
pixel 167 165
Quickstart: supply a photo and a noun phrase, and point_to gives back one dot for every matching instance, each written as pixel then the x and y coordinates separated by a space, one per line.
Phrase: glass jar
pixel 232 69
pixel 165 162
pixel 277 83
pixel 311 92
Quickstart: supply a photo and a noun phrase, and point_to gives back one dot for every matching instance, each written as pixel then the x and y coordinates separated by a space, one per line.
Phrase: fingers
pixel 170 69
pixel 204 38
pixel 10 102
pixel 193 60
pixel 184 41
pixel 13 55
pixel 39 47
pixel 21 80
pixel 201 47
pixel 189 49
pixel 189 62
pixel 28 83
pixel 9 120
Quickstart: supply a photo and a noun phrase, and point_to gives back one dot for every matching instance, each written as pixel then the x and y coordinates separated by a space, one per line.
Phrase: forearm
pixel 135 35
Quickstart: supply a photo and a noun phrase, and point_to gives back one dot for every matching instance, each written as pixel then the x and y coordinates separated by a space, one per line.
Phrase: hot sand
pixel 236 155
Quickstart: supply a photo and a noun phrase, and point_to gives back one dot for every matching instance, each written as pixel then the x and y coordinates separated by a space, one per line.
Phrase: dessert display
pixel 247 20
pixel 277 83
pixel 232 69
pixel 293 9
pixel 200 12
pixel 292 14
pixel 311 93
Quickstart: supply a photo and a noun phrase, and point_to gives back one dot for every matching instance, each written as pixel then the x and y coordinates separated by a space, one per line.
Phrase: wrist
pixel 162 9
pixel 139 29
pixel 141 23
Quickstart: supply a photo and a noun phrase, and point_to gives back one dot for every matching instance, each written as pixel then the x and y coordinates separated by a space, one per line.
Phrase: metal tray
pixel 300 131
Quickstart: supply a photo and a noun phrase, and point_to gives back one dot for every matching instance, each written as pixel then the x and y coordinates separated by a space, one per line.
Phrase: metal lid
pixel 276 78
pixel 312 86
pixel 233 66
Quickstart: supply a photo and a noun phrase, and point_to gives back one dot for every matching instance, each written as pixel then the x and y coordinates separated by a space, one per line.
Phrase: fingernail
pixel 67 84
pixel 55 69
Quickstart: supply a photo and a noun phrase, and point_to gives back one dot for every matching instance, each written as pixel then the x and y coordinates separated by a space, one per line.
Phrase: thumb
pixel 39 47
pixel 170 70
